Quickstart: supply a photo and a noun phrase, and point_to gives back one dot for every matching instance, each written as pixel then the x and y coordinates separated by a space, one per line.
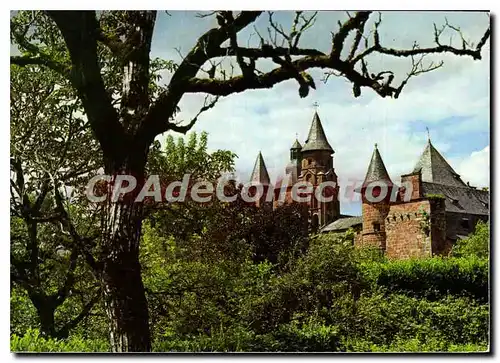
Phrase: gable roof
pixel 342 224
pixel 435 169
pixel 259 173
pixel 460 199
pixel 316 140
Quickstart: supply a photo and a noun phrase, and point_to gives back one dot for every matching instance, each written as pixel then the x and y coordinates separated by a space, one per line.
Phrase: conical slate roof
pixel 435 169
pixel 316 140
pixel 376 170
pixel 296 145
pixel 259 173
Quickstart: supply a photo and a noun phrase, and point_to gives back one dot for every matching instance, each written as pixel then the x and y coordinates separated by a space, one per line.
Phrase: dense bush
pixel 477 244
pixel 432 278
pixel 383 319
pixel 333 298
pixel 375 323
pixel 32 341
pixel 328 301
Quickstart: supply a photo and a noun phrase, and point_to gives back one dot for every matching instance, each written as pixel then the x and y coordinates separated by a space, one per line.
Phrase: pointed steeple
pixel 316 140
pixel 295 151
pixel 296 145
pixel 376 170
pixel 435 169
pixel 259 173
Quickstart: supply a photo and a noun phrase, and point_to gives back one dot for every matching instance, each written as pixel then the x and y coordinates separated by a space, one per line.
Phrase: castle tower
pixel 376 201
pixel 260 176
pixel 316 168
pixel 293 168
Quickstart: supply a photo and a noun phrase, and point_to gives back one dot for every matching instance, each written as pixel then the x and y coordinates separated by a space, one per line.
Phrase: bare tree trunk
pixel 47 322
pixel 124 292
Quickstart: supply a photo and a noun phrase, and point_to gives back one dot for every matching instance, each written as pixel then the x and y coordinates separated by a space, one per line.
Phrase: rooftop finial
pixel 428 134
pixel 297 135
pixel 375 145
pixel 316 105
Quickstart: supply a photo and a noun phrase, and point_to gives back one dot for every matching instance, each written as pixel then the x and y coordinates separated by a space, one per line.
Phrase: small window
pixel 465 223
pixel 376 227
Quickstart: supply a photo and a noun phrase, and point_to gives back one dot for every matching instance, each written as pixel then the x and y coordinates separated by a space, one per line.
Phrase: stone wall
pixel 408 230
pixel 374 229
pixel 455 224
pixel 415 180
pixel 438 227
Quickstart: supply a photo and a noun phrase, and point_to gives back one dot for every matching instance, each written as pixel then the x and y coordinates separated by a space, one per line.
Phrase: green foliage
pixel 417 345
pixel 307 335
pixel 328 300
pixel 23 315
pixel 382 319
pixel 477 244
pixel 52 149
pixel 32 341
pixel 432 278
pixel 218 277
pixel 179 157
pixel 367 254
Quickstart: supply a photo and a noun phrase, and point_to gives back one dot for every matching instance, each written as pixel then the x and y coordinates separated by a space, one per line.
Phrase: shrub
pixel 382 320
pixel 432 278
pixel 414 345
pixel 477 244
pixel 309 335
pixel 325 275
pixel 23 314
pixel 32 341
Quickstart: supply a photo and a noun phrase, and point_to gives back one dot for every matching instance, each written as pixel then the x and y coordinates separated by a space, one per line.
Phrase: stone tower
pixel 294 167
pixel 375 201
pixel 260 176
pixel 316 167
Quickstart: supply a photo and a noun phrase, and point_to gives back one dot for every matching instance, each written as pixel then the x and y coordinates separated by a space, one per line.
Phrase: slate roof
pixel 376 170
pixel 296 145
pixel 460 199
pixel 343 224
pixel 438 177
pixel 259 173
pixel 316 140
pixel 435 169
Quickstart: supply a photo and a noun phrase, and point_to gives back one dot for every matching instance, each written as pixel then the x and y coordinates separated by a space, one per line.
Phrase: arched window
pixel 310 179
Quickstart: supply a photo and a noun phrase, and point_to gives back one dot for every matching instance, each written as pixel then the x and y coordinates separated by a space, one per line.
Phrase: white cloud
pixel 268 120
pixel 475 169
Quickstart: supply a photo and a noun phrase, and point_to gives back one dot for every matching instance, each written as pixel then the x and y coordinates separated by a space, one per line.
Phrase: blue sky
pixel 453 102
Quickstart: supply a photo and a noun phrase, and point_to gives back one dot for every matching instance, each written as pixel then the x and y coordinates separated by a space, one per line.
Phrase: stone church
pixel 420 221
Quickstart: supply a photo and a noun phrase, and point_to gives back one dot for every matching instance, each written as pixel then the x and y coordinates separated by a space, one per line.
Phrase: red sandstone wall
pixel 374 213
pixel 405 236
pixel 416 183
pixel 440 246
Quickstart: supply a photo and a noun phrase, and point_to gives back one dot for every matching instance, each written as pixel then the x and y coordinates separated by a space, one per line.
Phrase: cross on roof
pixel 315 105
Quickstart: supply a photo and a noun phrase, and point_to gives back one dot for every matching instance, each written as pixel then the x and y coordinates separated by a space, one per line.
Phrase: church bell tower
pixel 316 167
